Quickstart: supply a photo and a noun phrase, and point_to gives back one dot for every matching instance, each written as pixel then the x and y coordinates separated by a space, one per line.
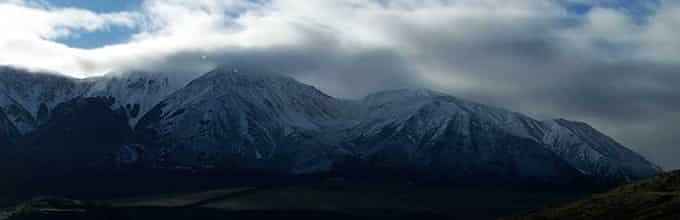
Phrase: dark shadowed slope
pixel 655 199
pixel 81 133
pixel 8 132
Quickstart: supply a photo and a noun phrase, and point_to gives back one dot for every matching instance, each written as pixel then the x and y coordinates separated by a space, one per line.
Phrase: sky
pixel 614 64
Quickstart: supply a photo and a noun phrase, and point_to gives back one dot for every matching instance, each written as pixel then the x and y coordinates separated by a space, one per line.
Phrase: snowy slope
pixel 136 92
pixel 253 115
pixel 423 119
pixel 400 105
pixel 426 130
pixel 595 153
pixel 27 97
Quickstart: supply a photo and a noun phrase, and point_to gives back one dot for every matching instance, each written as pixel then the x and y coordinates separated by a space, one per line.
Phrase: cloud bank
pixel 612 63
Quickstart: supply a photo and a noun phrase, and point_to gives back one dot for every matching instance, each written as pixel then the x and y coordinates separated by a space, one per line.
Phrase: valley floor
pixel 329 200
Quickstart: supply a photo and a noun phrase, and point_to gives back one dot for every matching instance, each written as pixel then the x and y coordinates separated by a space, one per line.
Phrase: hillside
pixel 654 199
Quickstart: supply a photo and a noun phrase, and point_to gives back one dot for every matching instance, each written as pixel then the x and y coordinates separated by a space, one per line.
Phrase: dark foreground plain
pixel 654 199
pixel 198 196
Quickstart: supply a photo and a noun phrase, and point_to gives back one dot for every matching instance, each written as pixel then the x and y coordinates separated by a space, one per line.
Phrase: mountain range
pixel 238 118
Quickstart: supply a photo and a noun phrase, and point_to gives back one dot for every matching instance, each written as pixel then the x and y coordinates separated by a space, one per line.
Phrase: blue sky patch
pixel 99 6
pixel 109 36
pixel 96 39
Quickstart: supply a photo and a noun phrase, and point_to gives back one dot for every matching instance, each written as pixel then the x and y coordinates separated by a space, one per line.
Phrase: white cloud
pixel 174 26
pixel 29 29
pixel 212 26
pixel 22 19
pixel 660 39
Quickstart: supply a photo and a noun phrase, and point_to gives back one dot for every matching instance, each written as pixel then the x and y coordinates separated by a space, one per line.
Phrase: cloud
pixel 30 28
pixel 614 65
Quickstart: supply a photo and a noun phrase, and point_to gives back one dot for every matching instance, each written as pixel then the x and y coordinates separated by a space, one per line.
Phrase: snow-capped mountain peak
pixel 136 92
pixel 257 119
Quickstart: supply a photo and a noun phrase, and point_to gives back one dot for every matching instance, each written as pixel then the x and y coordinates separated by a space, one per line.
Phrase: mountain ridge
pixel 263 120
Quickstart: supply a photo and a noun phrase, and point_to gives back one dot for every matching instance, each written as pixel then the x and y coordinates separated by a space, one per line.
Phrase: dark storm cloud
pixel 320 61
pixel 630 92
pixel 530 66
